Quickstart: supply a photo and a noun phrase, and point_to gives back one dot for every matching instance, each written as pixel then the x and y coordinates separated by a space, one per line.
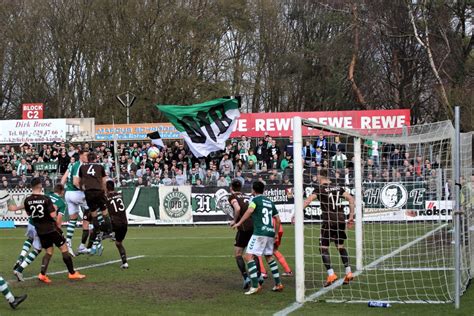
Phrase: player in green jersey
pixel 75 200
pixel 265 233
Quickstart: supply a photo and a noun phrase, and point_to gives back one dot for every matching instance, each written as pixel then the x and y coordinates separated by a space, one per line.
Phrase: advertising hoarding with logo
pixel 175 205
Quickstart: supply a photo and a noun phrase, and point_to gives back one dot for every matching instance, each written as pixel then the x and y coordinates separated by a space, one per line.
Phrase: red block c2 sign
pixel 33 111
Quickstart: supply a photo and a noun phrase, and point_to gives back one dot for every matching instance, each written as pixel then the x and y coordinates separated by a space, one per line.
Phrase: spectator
pixel 274 162
pixel 272 180
pixel 194 176
pixel 273 150
pixel 252 157
pixel 63 160
pixel 238 176
pixel 286 181
pixel 289 147
pixel 337 145
pixel 244 147
pixel 180 177
pixel 339 160
pixel 261 152
pixel 308 152
pixel 5 185
pixel 226 166
pixel 166 179
pixel 322 143
pixel 222 182
pixel 373 151
pixel 199 183
pixel 22 167
pixel 210 179
pixel 131 165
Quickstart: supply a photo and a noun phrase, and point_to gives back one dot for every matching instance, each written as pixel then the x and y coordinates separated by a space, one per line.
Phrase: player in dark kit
pixel 119 220
pixel 333 227
pixel 240 203
pixel 43 214
pixel 92 180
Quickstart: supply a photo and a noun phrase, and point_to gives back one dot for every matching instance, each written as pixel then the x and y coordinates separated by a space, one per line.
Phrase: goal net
pixel 402 246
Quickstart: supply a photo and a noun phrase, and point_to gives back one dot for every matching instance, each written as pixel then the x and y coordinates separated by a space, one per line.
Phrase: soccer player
pixel 92 178
pixel 75 199
pixel 118 216
pixel 60 207
pixel 264 235
pixel 13 300
pixel 244 232
pixel 43 214
pixel 333 227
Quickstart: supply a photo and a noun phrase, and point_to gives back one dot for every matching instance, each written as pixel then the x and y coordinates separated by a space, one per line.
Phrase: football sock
pixel 25 249
pixel 6 291
pixel 71 225
pixel 344 256
pixel 68 261
pixel 241 264
pixel 326 258
pixel 122 252
pixel 252 267
pixel 259 274
pixel 85 235
pixel 28 260
pixel 262 267
pixel 274 268
pixel 282 261
pixel 45 263
pixel 106 225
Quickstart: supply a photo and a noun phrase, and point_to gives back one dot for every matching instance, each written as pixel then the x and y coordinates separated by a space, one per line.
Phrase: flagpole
pixel 117 169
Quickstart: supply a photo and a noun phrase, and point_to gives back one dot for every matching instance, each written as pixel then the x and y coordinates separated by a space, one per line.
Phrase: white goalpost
pixel 408 198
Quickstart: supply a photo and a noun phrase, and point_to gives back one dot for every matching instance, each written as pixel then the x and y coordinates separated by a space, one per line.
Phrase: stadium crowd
pixel 266 159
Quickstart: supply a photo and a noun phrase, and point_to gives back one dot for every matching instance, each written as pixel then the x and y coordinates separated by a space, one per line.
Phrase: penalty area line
pixel 88 266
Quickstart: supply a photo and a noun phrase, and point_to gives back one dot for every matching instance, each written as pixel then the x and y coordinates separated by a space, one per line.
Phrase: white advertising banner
pixel 33 131
pixel 175 205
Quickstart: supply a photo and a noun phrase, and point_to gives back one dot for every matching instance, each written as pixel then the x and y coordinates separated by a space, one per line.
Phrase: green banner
pixel 395 195
pixel 142 204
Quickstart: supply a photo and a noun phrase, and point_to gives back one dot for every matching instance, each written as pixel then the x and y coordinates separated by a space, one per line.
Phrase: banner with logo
pixel 142 205
pixel 136 132
pixel 175 205
pixel 45 166
pixel 208 202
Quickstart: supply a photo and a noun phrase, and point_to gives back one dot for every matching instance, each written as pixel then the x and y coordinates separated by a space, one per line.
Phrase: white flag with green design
pixel 206 126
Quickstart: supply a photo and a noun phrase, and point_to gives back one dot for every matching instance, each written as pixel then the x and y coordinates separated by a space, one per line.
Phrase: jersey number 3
pixel 266 216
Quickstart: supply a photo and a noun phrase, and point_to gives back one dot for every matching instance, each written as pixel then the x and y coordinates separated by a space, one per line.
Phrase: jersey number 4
pixel 118 205
pixel 37 211
pixel 91 170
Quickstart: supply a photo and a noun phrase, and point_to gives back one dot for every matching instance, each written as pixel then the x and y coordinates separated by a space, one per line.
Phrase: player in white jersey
pixel 75 200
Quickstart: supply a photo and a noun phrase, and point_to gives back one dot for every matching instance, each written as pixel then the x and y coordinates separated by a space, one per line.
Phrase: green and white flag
pixel 206 126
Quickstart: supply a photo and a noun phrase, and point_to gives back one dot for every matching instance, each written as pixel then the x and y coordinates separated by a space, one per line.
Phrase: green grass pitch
pixel 185 270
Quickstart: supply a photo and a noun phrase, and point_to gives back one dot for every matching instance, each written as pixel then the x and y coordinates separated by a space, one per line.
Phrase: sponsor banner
pixel 45 166
pixel 32 111
pixel 142 205
pixel 208 202
pixel 47 130
pixel 13 197
pixel 314 211
pixel 280 124
pixel 33 131
pixel 135 131
pixel 175 205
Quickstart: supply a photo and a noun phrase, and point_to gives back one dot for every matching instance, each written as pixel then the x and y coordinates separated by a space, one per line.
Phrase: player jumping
pixel 119 220
pixel 92 179
pixel 13 300
pixel 75 199
pixel 333 227
pixel 43 213
pixel 264 234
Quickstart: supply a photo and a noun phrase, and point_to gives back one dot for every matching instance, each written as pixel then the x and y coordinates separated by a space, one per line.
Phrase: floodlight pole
pixel 126 99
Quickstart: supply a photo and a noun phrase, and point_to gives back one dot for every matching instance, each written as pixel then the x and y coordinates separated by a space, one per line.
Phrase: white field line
pixel 391 302
pixel 87 267
pixel 295 306
pixel 415 269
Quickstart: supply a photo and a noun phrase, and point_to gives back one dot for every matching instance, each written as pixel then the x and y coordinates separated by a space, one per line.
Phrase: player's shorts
pixel 96 200
pixel 332 232
pixel 75 200
pixel 260 245
pixel 278 242
pixel 31 234
pixel 120 232
pixel 53 238
pixel 242 238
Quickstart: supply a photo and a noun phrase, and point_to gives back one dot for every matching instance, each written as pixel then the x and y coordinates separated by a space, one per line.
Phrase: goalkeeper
pixel 333 227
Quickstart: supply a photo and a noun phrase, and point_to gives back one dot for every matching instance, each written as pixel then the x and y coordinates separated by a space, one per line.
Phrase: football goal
pixel 403 245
